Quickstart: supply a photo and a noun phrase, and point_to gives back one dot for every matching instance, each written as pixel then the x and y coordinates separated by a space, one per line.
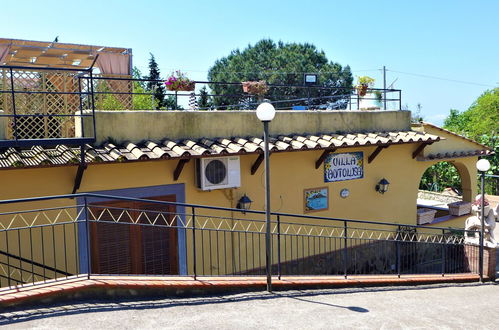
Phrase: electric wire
pixel 440 78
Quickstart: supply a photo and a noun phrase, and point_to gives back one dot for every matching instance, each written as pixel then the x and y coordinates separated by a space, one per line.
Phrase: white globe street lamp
pixel 266 112
pixel 482 165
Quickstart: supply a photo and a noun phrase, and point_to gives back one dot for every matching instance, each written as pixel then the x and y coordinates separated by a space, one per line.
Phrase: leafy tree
pixel 204 100
pixel 440 176
pixel 482 117
pixel 283 64
pixel 157 87
pixel 481 123
pixel 142 100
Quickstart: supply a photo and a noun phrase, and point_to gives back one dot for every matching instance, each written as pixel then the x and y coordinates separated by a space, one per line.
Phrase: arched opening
pixel 444 192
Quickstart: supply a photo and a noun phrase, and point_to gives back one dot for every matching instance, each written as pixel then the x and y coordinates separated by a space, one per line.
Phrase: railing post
pixel 92 98
pixel 350 103
pixel 482 222
pixel 345 252
pixel 399 266
pixel 13 95
pixel 87 223
pixel 8 255
pixel 400 100
pixel 279 247
pixel 443 252
pixel 308 97
pixel 81 107
pixel 194 242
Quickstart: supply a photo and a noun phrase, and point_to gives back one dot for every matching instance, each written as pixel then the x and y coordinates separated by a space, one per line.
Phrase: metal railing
pixel 47 106
pixel 118 93
pixel 491 184
pixel 86 234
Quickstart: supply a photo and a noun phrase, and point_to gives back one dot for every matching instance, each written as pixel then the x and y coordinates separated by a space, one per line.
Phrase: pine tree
pixel 157 87
pixel 204 100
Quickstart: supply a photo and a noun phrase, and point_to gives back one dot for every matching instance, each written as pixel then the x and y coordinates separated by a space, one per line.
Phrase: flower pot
pixel 425 216
pixel 362 89
pixel 255 87
pixel 188 87
pixel 459 208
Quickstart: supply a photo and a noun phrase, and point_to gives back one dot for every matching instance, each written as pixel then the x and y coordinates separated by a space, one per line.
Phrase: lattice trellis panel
pixel 42 95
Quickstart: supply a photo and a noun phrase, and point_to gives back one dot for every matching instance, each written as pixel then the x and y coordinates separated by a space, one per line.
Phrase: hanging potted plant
pixel 258 88
pixel 363 83
pixel 178 81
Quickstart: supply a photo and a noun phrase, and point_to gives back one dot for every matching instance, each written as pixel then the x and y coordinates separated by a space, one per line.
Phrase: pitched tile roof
pixel 455 134
pixel 482 149
pixel 187 148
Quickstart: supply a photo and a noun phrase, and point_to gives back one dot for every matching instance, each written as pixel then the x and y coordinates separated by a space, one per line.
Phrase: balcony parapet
pixel 156 125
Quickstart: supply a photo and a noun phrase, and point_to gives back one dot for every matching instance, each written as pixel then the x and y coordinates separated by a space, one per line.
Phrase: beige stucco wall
pixel 291 173
pixel 449 142
pixel 157 125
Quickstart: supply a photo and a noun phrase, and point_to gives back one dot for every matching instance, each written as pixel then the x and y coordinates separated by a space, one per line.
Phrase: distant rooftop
pixel 18 52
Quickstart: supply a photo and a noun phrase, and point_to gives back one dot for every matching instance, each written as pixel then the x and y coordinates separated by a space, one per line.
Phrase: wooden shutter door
pixel 159 242
pixel 126 248
pixel 110 241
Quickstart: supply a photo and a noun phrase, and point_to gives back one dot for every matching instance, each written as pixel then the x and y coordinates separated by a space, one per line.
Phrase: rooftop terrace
pixel 47 106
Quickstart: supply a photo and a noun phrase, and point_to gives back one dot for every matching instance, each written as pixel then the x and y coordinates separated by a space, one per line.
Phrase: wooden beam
pixel 79 176
pixel 420 149
pixel 257 163
pixel 375 153
pixel 322 158
pixel 179 168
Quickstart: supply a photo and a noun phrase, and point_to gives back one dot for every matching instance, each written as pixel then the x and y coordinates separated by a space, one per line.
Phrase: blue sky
pixel 455 40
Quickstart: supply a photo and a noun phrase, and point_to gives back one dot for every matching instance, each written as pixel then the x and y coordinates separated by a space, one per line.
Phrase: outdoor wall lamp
pixel 382 186
pixel 244 203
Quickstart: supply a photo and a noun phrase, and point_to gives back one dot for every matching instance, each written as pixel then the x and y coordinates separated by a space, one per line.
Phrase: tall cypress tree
pixel 158 87
pixel 204 100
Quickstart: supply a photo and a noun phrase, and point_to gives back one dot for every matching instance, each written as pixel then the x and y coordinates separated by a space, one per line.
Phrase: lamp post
pixel 266 112
pixel 483 166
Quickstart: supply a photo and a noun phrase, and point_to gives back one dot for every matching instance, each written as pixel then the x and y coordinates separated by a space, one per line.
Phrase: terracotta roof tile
pixel 187 148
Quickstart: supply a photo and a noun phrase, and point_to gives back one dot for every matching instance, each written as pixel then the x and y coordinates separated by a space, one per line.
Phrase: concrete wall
pixel 156 125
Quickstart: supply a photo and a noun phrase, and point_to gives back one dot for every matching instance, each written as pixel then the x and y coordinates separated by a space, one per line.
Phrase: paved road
pixel 465 306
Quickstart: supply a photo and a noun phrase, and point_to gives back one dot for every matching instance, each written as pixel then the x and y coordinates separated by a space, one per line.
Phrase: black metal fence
pixel 85 234
pixel 115 93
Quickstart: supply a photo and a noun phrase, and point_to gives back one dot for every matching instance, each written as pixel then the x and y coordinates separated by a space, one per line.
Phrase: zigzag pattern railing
pixel 69 214
pixel 216 240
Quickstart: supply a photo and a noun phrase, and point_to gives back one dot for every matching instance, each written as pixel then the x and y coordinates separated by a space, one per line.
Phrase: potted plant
pixel 258 88
pixel 363 83
pixel 178 81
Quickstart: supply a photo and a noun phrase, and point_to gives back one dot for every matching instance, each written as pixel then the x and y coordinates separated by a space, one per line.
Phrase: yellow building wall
pixel 291 173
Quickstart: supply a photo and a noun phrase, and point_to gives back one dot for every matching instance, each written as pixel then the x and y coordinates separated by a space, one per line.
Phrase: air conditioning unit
pixel 218 173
